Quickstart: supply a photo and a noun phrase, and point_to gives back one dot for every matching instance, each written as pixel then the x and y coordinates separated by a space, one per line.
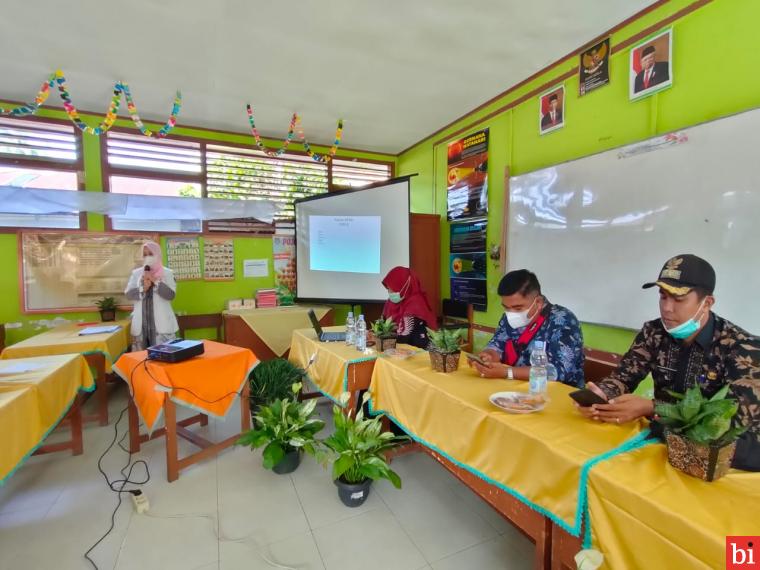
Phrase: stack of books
pixel 266 298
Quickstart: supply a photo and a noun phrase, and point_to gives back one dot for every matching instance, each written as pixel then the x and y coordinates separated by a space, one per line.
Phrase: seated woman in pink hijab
pixel 408 306
pixel 152 288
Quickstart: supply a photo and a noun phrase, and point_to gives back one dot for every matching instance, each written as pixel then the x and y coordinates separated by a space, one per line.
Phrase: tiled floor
pixel 229 513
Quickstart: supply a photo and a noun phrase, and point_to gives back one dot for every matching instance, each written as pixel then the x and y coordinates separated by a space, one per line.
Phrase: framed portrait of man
pixel 551 112
pixel 651 65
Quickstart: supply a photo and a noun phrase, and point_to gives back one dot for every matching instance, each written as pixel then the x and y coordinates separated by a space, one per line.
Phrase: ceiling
pixel 394 70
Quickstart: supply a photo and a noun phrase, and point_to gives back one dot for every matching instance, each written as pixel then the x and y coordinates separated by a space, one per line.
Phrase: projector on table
pixel 176 350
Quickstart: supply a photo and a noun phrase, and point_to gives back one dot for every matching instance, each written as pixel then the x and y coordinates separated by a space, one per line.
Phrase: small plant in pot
pixel 286 429
pixel 385 333
pixel 698 432
pixel 272 380
pixel 107 308
pixel 359 446
pixel 444 348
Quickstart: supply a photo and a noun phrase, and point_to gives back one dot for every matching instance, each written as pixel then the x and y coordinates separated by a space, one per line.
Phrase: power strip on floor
pixel 140 502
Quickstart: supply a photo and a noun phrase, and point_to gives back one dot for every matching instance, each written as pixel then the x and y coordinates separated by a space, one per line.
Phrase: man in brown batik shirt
pixel 689 345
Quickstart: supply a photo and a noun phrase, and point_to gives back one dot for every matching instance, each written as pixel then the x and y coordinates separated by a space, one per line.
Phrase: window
pixel 241 174
pixel 36 154
pixel 171 168
pixel 347 173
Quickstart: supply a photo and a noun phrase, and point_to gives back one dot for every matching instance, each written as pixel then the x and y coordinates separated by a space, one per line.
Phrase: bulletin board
pixel 70 271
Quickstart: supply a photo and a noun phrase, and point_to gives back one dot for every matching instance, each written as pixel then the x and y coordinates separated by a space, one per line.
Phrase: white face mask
pixel 518 320
pixel 149 260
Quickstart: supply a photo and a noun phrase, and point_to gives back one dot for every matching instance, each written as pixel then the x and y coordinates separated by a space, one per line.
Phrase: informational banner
pixel 284 253
pixel 472 291
pixel 468 236
pixel 73 271
pixel 467 180
pixel 594 68
pixel 183 256
pixel 219 259
pixel 468 263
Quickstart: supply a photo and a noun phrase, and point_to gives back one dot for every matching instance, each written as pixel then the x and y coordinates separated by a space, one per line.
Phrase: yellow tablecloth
pixel 538 458
pixel 32 403
pixel 66 340
pixel 207 383
pixel 275 326
pixel 646 514
pixel 329 372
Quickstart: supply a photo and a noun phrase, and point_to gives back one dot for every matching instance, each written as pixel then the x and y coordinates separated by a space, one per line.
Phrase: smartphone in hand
pixel 475 358
pixel 586 398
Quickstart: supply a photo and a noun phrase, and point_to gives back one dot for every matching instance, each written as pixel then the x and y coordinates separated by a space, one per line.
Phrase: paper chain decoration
pixel 58 80
pixel 295 125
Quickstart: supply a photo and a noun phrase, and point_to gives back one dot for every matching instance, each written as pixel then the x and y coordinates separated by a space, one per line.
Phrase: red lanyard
pixel 511 354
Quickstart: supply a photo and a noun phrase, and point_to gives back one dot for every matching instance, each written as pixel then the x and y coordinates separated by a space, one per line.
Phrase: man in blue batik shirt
pixel 530 317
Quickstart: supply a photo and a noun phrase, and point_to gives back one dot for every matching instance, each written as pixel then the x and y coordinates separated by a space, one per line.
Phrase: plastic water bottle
pixel 538 372
pixel 350 329
pixel 361 334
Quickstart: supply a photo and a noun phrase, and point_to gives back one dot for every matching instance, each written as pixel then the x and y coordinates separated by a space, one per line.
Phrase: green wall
pixel 715 53
pixel 193 297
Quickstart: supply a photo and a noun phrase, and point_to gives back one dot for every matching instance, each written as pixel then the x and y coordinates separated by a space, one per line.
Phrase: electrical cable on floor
pixel 126 473
pixel 220 536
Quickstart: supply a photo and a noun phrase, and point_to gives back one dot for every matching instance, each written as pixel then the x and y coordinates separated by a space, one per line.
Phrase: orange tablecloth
pixel 207 383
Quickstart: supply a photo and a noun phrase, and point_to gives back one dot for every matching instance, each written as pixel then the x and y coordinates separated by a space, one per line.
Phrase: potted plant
pixel 286 429
pixel 107 308
pixel 271 380
pixel 360 447
pixel 698 432
pixel 384 331
pixel 444 348
pixel 285 296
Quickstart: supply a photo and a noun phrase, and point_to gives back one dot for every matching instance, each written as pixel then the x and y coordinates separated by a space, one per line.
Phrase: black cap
pixel 682 273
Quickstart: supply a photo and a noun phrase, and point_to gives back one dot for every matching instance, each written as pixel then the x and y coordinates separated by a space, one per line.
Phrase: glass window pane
pixel 38 178
pixel 145 186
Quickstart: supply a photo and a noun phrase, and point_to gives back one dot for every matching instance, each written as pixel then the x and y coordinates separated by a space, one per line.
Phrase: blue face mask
pixel 686 328
pixel 394 297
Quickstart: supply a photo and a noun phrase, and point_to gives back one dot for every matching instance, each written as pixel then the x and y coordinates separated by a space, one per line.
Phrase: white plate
pixel 399 353
pixel 517 402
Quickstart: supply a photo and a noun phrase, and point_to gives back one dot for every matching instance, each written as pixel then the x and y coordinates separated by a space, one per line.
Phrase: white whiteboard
pixel 597 228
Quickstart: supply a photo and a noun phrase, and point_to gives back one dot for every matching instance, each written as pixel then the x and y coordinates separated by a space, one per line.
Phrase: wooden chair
pixel 599 364
pixel 207 321
pixel 459 315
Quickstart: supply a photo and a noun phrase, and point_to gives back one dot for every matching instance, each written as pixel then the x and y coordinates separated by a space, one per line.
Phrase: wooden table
pixel 238 332
pixel 503 458
pixel 336 367
pixel 174 429
pixel 36 395
pixel 186 383
pixel 99 350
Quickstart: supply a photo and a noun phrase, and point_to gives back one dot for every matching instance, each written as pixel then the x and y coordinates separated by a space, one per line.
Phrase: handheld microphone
pixel 147 268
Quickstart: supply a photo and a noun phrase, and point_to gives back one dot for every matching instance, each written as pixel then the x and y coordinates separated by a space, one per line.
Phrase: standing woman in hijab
pixel 408 306
pixel 152 288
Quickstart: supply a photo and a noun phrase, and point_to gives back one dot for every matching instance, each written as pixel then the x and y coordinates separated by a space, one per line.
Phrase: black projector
pixel 176 350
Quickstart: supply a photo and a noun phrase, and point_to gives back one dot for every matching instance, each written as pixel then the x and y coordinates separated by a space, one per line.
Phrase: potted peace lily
pixel 287 429
pixel 359 449
pixel 107 308
pixel 444 348
pixel 384 331
pixel 698 432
